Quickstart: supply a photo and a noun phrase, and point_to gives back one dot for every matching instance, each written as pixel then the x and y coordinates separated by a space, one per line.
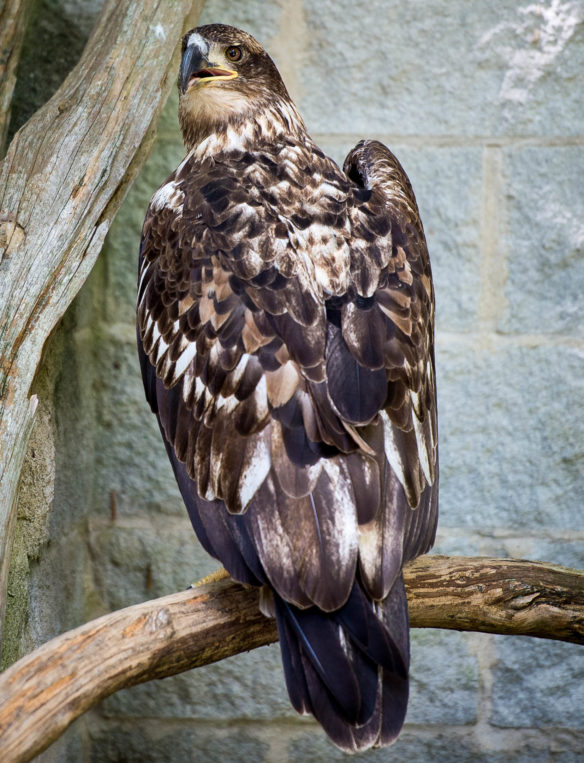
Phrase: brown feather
pixel 282 384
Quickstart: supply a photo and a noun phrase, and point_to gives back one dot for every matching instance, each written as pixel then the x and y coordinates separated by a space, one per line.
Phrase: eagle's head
pixel 226 77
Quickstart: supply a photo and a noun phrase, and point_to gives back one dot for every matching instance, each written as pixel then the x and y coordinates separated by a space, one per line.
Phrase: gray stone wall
pixel 482 103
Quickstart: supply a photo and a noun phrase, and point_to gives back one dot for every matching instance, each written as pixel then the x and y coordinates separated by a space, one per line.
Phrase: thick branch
pixel 45 691
pixel 506 596
pixel 62 180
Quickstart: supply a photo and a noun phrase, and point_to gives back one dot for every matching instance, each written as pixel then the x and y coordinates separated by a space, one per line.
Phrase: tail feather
pixel 394 705
pixel 349 668
pixel 374 637
pixel 292 663
pixel 324 660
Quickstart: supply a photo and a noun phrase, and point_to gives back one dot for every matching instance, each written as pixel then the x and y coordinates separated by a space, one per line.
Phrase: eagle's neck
pixel 260 124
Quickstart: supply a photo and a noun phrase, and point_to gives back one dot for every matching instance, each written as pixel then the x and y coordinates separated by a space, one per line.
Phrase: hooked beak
pixel 196 68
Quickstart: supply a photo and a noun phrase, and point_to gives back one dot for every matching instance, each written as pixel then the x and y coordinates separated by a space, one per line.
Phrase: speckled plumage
pixel 285 326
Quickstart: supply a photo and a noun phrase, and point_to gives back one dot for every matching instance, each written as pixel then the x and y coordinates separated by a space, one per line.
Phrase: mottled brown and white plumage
pixel 285 329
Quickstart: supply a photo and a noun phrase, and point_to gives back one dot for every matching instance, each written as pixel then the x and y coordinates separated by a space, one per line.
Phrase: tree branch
pixel 45 691
pixel 61 182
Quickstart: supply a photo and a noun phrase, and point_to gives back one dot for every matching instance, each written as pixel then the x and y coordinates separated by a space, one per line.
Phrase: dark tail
pixel 349 668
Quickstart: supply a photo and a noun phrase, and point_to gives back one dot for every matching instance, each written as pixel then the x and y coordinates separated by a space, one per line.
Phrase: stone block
pixel 444 680
pixel 132 467
pixel 144 558
pixel 153 743
pixel 443 746
pixel 69 748
pixel 511 435
pixel 57 589
pixel 450 542
pixel 538 684
pixel 245 687
pixel 544 240
pixel 561 551
pixel 448 186
pixel 407 68
pixel 68 389
pixel 260 19
pixel 567 553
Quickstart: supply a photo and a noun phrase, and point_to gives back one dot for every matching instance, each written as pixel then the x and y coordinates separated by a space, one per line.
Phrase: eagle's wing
pixel 301 425
pixel 398 326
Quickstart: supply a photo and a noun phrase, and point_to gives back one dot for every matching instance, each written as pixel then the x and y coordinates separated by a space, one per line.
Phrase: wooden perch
pixel 62 180
pixel 45 691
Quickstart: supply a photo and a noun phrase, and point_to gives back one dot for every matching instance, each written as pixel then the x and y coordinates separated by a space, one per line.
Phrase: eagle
pixel 285 327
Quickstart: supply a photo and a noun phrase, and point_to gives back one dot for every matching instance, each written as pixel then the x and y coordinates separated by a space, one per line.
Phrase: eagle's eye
pixel 233 53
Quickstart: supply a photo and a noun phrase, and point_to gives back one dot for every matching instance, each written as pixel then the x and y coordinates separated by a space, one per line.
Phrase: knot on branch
pixel 12 234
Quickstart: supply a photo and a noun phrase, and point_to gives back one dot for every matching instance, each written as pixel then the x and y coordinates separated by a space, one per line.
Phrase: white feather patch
pixel 143 297
pixel 369 536
pixel 226 404
pixel 145 268
pixel 209 493
pixel 256 469
pixel 423 449
pixel 237 372
pixel 261 399
pixel 149 322
pixel 200 388
pixel 196 39
pixel 230 140
pixel 184 359
pixel 346 528
pixel 392 452
pixel 169 195
pixel 182 165
pixel 161 346
pixel 326 256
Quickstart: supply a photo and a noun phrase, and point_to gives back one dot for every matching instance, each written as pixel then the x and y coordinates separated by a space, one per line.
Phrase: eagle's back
pixel 285 324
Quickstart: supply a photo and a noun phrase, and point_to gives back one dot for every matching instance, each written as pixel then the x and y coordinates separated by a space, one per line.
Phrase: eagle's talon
pixel 212 577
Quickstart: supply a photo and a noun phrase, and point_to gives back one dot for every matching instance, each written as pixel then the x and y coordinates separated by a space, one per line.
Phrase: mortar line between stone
pixel 455 141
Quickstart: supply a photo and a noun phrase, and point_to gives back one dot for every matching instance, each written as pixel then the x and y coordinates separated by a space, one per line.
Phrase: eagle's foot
pixel 213 577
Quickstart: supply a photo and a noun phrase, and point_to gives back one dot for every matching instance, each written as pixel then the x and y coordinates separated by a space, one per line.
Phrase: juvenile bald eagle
pixel 285 331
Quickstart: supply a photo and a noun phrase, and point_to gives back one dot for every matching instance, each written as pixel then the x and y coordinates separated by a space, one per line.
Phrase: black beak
pixel 193 60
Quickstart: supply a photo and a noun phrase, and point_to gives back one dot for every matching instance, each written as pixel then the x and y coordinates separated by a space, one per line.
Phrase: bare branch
pixel 45 691
pixel 63 178
pixel 506 596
